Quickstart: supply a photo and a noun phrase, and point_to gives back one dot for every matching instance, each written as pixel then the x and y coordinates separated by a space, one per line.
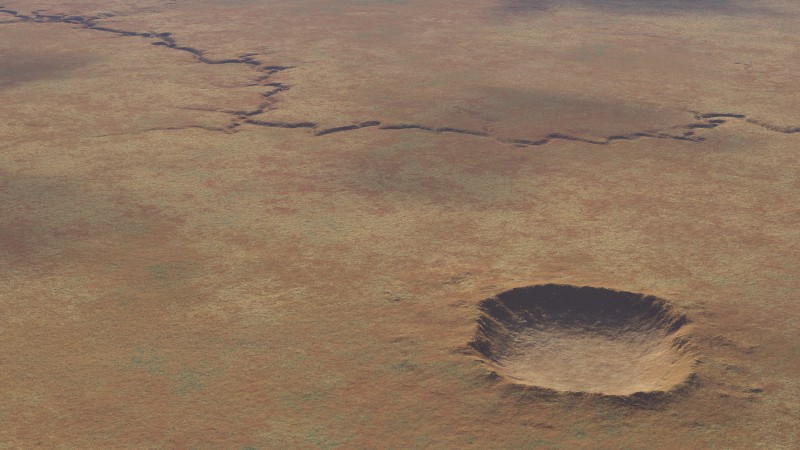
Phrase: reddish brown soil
pixel 261 224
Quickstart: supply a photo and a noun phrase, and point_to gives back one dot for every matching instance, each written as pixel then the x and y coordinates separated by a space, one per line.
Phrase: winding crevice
pixel 357 126
pixel 718 115
pixel 166 39
pixel 720 118
pixel 687 132
pixel 775 128
pixel 686 136
pixel 261 123
pixel 227 129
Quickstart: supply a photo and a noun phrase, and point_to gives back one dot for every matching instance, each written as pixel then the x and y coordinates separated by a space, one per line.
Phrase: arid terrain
pixel 255 224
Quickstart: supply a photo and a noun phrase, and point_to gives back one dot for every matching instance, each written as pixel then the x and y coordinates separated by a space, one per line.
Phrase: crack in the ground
pixel 775 128
pixel 176 128
pixel 687 136
pixel 261 123
pixel 367 124
pixel 166 39
pixel 685 132
pixel 720 118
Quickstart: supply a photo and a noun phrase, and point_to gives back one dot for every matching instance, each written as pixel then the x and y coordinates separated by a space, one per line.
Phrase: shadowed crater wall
pixel 585 340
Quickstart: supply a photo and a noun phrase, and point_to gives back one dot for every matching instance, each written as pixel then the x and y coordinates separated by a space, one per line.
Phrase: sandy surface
pixel 195 254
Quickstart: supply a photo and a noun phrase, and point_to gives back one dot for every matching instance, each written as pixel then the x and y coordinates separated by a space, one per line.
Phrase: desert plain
pixel 256 224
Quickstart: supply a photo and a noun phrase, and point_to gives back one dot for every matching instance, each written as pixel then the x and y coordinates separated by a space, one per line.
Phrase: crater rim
pixel 563 339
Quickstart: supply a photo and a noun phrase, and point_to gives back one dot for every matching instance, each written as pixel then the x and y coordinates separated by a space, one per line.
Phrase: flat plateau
pixel 256 224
